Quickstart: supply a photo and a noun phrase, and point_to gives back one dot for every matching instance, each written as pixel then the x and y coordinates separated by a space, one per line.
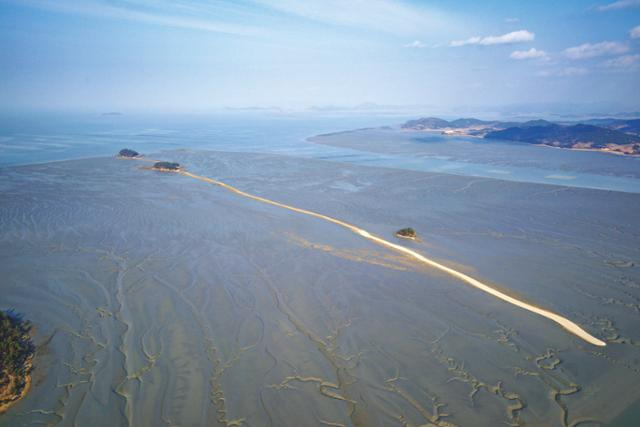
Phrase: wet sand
pixel 167 300
pixel 562 321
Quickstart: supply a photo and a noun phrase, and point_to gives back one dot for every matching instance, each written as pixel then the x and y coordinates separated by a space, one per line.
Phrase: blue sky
pixel 196 55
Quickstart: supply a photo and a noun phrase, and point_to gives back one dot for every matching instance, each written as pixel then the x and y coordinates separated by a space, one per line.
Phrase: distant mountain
pixel 255 108
pixel 434 123
pixel 469 122
pixel 627 126
pixel 371 107
pixel 615 135
pixel 427 123
pixel 576 136
pixel 532 123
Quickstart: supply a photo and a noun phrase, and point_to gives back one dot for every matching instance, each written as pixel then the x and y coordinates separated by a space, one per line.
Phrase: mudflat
pixel 161 299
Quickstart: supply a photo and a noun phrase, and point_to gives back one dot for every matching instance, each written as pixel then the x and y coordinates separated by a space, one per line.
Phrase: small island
pixel 167 167
pixel 16 356
pixel 407 233
pixel 128 153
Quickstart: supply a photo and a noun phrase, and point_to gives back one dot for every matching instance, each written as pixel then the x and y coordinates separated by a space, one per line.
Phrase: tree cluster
pixel 16 346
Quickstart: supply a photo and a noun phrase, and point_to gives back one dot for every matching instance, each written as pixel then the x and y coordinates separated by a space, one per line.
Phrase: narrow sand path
pixel 562 321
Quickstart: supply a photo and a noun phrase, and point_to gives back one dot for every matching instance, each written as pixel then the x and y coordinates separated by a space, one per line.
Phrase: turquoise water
pixel 28 139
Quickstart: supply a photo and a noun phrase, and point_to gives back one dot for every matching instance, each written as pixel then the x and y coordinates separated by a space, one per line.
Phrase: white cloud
pixel 158 13
pixel 564 72
pixel 635 32
pixel 512 37
pixel 387 16
pixel 471 40
pixel 617 5
pixel 528 54
pixel 588 50
pixel 416 44
pixel 248 18
pixel 624 61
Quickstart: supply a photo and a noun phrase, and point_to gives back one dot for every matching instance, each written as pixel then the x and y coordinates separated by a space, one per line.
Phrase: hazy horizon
pixel 198 56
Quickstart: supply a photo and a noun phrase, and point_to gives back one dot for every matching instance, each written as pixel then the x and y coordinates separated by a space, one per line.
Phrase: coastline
pixel 596 150
pixel 151 168
pixel 405 237
pixel 464 133
pixel 13 399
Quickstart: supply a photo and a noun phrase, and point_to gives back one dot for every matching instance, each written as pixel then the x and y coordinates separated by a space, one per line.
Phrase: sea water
pixel 38 138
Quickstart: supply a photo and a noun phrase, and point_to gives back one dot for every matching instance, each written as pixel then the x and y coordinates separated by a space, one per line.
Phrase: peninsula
pixel 608 135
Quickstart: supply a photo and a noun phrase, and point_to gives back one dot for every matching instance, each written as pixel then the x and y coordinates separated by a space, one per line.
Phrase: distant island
pixel 406 233
pixel 16 356
pixel 166 166
pixel 618 136
pixel 112 113
pixel 128 153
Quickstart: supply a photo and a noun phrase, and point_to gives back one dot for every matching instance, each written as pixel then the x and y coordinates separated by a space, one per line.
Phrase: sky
pixel 197 55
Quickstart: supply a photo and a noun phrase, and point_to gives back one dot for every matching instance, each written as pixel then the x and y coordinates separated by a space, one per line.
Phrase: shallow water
pixel 513 161
pixel 159 299
pixel 28 139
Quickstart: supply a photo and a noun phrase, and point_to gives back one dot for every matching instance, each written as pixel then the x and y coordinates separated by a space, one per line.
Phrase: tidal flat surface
pixel 431 151
pixel 158 299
